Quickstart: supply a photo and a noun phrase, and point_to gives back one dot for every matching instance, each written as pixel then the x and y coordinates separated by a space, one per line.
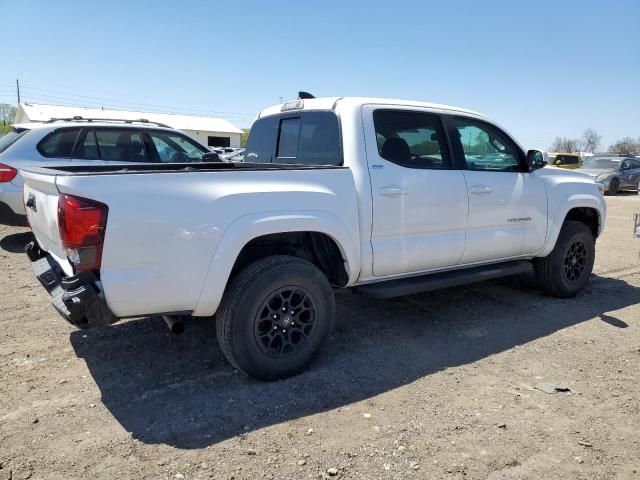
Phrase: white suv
pixel 77 141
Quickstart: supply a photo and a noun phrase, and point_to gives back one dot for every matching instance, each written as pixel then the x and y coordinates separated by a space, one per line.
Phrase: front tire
pixel 614 186
pixel 275 316
pixel 566 270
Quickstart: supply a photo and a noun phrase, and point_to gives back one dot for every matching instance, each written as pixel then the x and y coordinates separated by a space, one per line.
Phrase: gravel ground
pixel 437 385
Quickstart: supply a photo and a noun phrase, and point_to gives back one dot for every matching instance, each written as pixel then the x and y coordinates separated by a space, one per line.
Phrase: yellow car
pixel 564 160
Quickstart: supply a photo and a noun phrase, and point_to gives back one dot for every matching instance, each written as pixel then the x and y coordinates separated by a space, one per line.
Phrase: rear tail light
pixel 7 173
pixel 82 223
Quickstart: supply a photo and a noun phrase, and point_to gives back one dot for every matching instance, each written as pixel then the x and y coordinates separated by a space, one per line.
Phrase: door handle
pixel 480 190
pixel 393 191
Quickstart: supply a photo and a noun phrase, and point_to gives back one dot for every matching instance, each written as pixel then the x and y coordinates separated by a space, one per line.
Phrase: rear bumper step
pixel 77 298
pixel 436 281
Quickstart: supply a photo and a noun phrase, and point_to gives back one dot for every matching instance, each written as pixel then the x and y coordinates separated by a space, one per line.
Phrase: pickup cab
pixel 386 197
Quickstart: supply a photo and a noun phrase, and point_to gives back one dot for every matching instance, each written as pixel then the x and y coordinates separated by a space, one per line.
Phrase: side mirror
pixel 535 160
pixel 625 166
pixel 211 157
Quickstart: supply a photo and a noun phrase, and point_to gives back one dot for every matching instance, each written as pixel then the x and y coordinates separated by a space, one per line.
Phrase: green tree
pixel 244 136
pixel 7 115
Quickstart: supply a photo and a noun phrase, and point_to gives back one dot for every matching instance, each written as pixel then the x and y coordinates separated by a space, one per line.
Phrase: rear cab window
pixel 300 138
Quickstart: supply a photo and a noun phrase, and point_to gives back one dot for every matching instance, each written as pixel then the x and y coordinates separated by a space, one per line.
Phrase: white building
pixel 210 131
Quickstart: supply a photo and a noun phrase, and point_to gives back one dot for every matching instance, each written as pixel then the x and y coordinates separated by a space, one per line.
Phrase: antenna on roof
pixel 304 95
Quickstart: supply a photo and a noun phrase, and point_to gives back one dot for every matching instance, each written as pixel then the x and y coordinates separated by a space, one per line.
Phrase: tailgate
pixel 41 198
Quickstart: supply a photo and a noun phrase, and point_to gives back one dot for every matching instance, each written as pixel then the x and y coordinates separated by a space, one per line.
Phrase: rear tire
pixel 566 270
pixel 275 316
pixel 614 187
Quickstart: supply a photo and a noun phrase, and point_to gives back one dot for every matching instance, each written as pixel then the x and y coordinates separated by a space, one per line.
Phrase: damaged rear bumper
pixel 77 298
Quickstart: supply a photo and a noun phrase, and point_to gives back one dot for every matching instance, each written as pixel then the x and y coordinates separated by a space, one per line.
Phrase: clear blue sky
pixel 541 68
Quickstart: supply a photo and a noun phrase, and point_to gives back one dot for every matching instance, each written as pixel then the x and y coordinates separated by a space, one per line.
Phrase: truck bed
pixel 169 238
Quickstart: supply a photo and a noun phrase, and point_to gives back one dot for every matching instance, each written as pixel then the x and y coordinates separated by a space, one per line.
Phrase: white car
pixel 84 141
pixel 388 197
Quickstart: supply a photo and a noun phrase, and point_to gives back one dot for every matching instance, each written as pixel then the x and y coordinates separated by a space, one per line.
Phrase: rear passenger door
pixel 419 196
pixel 107 145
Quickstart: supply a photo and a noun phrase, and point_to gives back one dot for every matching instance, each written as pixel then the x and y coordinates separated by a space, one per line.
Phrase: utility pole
pixel 18 90
pixel 281 99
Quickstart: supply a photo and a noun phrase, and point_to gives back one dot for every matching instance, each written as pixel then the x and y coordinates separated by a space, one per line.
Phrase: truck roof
pixel 330 103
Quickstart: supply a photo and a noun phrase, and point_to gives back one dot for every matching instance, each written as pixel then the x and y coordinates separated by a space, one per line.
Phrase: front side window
pixel 59 143
pixel 121 145
pixel 411 139
pixel 175 148
pixel 487 148
pixel 88 147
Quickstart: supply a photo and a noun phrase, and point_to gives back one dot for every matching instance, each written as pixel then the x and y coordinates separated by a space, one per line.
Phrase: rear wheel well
pixel 586 215
pixel 315 247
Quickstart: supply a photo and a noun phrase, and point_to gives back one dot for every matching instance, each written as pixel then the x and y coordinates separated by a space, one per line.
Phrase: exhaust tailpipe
pixel 174 323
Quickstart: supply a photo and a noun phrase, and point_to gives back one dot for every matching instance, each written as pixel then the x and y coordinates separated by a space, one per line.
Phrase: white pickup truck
pixel 388 197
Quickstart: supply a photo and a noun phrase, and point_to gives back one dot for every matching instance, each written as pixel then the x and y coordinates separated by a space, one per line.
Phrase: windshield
pixel 601 163
pixel 10 138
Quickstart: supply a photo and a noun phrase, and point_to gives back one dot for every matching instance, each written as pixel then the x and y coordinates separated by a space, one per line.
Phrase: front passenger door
pixel 507 204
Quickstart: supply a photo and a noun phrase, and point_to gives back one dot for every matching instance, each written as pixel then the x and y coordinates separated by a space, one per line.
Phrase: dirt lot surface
pixel 437 385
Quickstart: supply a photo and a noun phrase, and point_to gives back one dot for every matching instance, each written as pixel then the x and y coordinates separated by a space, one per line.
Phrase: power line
pixel 91 104
pixel 101 100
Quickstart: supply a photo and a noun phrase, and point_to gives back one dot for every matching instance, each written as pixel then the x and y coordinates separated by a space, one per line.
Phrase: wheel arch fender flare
pixel 568 203
pixel 246 228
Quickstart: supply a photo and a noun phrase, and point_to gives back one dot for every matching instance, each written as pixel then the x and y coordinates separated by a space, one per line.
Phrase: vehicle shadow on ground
pixel 180 391
pixel 16 242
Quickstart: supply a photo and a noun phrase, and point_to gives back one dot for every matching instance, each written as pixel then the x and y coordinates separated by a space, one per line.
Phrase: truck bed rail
pixel 174 168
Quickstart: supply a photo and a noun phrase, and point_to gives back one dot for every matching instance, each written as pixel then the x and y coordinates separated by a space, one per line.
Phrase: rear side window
pixel 411 139
pixel 568 159
pixel 88 147
pixel 121 145
pixel 59 143
pixel 310 138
